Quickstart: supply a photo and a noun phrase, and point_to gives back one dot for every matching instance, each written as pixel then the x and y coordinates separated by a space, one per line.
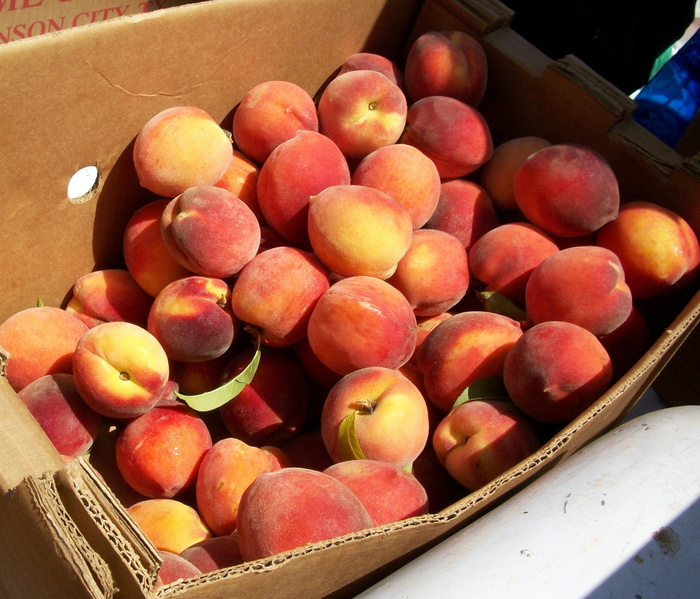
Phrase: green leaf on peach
pixel 215 398
pixel 499 304
pixel 348 443
pixel 491 387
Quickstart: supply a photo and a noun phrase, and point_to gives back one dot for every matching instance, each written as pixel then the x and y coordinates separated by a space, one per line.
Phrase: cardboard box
pixel 80 96
pixel 22 19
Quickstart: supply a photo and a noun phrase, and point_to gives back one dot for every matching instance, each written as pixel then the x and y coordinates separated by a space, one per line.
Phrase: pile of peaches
pixel 343 312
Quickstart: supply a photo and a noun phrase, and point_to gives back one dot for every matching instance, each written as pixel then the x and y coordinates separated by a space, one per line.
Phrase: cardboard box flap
pixel 50 555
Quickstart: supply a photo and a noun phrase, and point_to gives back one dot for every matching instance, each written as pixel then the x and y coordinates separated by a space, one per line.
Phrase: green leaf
pixel 348 443
pixel 487 388
pixel 39 303
pixel 211 400
pixel 499 304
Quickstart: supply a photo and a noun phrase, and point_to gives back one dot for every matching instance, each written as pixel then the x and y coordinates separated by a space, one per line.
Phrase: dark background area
pixel 619 39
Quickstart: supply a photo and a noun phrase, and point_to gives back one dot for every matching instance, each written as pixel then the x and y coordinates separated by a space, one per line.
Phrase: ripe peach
pixel 192 319
pixel 178 148
pixel 556 370
pixel 479 440
pixel 584 285
pixel 466 347
pixel 389 492
pixel 110 294
pixel 120 369
pixel 293 507
pixel 656 247
pixel 296 170
pixel 214 553
pixel 425 324
pixel 159 453
pixel 446 63
pixel 39 341
pixel 627 343
pixel 315 370
pixel 276 291
pixel 404 173
pixel 464 210
pixel 271 408
pixel 453 134
pixel 362 321
pixel 269 114
pixel 170 524
pixel 498 173
pixel 434 273
pixel 241 179
pixel 226 471
pixel 174 567
pixel 307 450
pixel 389 412
pixel 442 489
pixel 146 256
pixel 362 111
pixel 65 418
pixel 210 231
pixel 567 189
pixel 358 230
pixel 504 257
pixel 193 378
pixel 361 61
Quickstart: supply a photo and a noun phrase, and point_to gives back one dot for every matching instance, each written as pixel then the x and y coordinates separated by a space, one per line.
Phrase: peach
pixel 464 210
pixel 226 471
pixel 504 257
pixel 442 489
pixel 65 418
pixel 146 256
pixel 446 63
pixel 193 378
pixel 316 371
pixel 358 230
pixel 375 413
pixel 627 343
pixel 362 321
pixel 584 285
pixel 567 189
pixel 307 450
pixel 120 369
pixel 210 231
pixel 178 148
pixel 453 134
pixel 657 248
pixel 273 407
pixel 276 291
pixel 296 170
pixel 480 440
pixel 159 453
pixel 434 273
pixel 110 294
pixel 556 370
pixel 497 174
pixel 465 348
pixel 214 553
pixel 174 567
pixel 192 319
pixel 292 507
pixel 424 325
pixel 241 179
pixel 404 173
pixel 361 61
pixel 269 114
pixel 361 111
pixel 389 492
pixel 38 341
pixel 169 524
